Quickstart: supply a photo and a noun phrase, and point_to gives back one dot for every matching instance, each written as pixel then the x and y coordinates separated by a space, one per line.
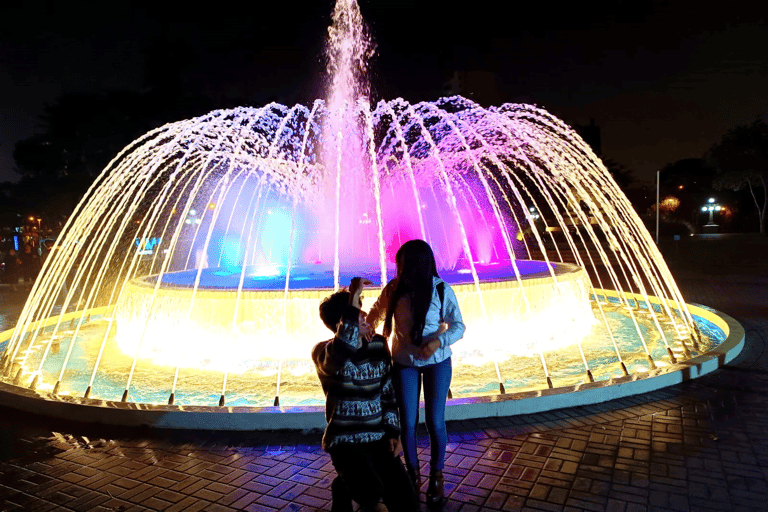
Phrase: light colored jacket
pixel 449 331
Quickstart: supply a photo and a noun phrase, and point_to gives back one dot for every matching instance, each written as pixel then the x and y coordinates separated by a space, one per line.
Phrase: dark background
pixel 661 81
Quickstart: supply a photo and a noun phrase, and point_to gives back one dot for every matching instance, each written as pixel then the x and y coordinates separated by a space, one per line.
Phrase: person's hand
pixel 356 290
pixel 366 331
pixel 395 446
pixel 429 348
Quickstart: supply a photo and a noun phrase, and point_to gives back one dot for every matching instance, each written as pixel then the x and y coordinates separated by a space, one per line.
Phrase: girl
pixel 421 313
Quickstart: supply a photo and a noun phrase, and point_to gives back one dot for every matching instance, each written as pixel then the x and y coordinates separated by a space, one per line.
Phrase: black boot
pixel 415 477
pixel 341 501
pixel 435 488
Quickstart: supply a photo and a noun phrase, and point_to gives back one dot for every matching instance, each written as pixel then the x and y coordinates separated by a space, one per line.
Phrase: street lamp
pixel 39 234
pixel 711 207
pixel 38 219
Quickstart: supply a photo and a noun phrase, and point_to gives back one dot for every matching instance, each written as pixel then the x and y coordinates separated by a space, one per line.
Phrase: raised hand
pixel 356 286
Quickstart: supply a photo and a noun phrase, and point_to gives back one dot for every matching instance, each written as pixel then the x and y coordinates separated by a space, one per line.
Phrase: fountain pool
pixel 183 291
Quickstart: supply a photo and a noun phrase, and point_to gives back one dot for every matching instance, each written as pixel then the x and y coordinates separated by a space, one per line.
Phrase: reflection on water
pixel 256 385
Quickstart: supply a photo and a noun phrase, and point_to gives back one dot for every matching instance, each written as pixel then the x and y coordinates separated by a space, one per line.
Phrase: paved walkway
pixel 700 446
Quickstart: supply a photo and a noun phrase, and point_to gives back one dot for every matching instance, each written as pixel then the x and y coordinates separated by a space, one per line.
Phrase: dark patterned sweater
pixel 360 405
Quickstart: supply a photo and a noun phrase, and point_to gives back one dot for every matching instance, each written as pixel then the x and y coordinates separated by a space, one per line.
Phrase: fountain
pixel 184 288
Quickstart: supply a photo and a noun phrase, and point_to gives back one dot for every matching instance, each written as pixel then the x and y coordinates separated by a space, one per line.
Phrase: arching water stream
pixel 192 270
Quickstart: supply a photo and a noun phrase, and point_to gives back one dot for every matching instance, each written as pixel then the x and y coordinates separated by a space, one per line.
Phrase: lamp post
pixel 711 207
pixel 33 218
pixel 658 176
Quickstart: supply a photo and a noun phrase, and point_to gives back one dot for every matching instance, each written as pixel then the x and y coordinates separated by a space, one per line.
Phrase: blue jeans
pixel 437 380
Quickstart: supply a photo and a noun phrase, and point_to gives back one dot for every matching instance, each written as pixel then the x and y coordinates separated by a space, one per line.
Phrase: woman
pixel 421 313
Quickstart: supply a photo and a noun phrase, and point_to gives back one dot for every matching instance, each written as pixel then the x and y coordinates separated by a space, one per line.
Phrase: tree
pixel 741 158
pixel 622 175
pixel 686 184
pixel 81 134
pixel 638 192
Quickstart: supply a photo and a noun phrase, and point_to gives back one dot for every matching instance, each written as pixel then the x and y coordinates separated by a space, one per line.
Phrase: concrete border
pixel 311 417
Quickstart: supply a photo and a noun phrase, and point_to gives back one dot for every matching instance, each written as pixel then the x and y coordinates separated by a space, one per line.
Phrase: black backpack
pixel 441 295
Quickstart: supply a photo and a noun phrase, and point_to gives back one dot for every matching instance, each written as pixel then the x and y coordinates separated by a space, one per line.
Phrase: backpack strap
pixel 441 295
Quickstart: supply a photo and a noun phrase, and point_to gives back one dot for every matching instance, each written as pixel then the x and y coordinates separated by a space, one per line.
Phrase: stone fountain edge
pixel 85 410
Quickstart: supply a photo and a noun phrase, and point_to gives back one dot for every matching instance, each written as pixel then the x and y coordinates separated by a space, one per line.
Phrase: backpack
pixel 441 294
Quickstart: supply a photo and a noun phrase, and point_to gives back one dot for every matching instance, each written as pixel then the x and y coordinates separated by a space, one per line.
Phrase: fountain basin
pixel 221 326
pixel 342 184
pixel 113 412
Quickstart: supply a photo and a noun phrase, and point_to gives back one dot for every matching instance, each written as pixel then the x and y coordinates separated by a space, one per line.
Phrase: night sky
pixel 663 80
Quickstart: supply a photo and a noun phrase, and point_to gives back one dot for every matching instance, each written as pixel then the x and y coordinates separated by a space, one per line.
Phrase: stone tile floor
pixel 701 445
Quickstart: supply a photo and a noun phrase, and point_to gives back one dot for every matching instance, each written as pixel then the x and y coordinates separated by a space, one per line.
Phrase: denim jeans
pixel 437 380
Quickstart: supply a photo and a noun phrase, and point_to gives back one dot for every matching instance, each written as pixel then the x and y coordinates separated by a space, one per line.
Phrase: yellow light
pixel 669 204
pixel 253 331
pixel 212 206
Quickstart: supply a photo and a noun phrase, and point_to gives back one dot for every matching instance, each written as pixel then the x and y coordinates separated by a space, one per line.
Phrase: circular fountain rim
pixel 497 272
pixel 87 410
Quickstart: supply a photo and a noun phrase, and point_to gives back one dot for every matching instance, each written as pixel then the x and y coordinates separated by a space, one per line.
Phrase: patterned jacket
pixel 360 405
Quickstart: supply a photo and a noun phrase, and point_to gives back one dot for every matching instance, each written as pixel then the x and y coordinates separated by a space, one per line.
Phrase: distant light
pixel 711 199
pixel 212 206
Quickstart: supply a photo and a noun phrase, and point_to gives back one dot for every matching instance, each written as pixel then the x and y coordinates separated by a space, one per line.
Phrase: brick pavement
pixel 699 446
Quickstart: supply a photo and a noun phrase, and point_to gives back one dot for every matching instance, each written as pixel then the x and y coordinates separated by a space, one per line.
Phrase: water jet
pixel 183 290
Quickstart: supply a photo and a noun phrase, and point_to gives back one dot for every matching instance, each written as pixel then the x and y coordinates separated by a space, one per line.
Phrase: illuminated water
pixel 194 266
pixel 255 384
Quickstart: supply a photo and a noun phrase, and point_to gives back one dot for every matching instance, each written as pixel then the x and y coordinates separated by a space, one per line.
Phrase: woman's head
pixel 415 260
pixel 415 269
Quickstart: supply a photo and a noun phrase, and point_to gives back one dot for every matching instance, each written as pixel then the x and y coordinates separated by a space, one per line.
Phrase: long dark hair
pixel 415 269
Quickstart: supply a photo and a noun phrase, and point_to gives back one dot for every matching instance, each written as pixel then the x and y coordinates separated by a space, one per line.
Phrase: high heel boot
pixel 435 488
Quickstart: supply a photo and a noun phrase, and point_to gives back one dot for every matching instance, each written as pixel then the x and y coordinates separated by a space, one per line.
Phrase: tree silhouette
pixel 81 134
pixel 741 158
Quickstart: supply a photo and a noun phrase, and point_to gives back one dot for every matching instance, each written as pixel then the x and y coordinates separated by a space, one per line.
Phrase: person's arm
pixel 330 356
pixel 390 412
pixel 378 312
pixel 451 317
pixel 450 334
